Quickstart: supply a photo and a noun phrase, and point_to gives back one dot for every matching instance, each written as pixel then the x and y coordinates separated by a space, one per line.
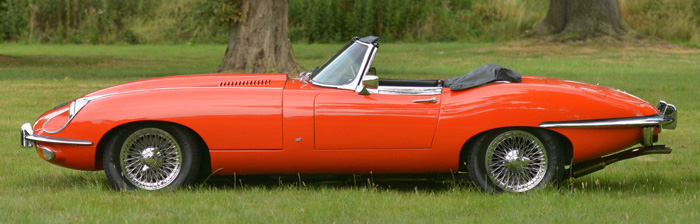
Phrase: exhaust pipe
pixel 588 167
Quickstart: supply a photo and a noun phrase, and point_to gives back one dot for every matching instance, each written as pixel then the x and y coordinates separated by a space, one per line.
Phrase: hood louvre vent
pixel 261 82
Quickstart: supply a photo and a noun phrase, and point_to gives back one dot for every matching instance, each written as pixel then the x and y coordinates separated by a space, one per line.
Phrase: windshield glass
pixel 342 68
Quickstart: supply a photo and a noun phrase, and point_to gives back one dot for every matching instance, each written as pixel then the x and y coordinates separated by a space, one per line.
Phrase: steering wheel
pixel 346 78
pixel 350 78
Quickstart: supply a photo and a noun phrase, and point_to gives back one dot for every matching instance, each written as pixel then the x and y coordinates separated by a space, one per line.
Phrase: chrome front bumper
pixel 28 138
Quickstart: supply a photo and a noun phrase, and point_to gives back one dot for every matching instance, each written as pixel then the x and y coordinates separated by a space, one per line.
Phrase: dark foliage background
pixel 205 21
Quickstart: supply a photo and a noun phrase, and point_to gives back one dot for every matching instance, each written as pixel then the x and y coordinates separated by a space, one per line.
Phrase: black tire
pixel 160 156
pixel 516 161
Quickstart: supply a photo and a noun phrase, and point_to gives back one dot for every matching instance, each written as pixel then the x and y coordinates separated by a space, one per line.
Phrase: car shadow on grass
pixel 379 182
pixel 632 184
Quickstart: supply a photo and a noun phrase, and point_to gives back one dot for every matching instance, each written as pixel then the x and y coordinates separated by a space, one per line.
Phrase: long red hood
pixel 205 80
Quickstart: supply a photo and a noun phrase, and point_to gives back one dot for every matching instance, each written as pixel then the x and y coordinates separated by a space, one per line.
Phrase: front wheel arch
pixel 205 163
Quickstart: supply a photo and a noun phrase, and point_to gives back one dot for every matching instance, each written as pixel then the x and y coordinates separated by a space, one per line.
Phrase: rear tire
pixel 515 160
pixel 151 157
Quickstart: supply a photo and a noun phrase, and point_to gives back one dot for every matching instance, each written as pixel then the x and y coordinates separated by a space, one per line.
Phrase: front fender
pixel 225 117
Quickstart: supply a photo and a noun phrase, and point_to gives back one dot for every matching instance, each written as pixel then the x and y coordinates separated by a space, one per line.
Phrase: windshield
pixel 342 68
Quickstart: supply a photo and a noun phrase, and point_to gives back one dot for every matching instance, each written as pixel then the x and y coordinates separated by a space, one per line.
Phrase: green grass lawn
pixel 651 189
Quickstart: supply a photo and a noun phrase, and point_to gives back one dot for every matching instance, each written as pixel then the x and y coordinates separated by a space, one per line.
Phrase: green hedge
pixel 177 21
pixel 109 21
pixel 411 20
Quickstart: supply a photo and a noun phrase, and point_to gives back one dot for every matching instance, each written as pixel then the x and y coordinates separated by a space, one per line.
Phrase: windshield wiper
pixel 313 71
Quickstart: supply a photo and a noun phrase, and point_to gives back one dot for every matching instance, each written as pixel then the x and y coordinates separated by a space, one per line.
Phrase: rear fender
pixel 465 114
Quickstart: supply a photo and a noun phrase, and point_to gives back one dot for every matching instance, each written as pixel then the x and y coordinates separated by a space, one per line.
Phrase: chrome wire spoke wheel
pixel 516 161
pixel 150 159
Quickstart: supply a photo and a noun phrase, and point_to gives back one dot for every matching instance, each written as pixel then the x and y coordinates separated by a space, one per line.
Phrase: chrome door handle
pixel 431 100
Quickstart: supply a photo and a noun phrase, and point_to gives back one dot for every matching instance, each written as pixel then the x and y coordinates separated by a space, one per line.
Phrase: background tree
pixel 584 19
pixel 258 41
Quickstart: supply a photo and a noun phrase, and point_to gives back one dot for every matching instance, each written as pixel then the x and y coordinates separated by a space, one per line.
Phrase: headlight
pixel 75 106
pixel 73 109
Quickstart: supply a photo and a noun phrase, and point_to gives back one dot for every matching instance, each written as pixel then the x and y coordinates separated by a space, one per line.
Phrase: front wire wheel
pixel 151 158
pixel 515 160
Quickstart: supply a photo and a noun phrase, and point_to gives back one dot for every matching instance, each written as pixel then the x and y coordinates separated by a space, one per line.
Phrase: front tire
pixel 515 160
pixel 151 157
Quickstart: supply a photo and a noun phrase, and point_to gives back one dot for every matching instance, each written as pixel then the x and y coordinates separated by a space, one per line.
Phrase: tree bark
pixel 261 44
pixel 584 19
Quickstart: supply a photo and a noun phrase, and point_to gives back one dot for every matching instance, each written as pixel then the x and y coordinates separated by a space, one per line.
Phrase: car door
pixel 344 119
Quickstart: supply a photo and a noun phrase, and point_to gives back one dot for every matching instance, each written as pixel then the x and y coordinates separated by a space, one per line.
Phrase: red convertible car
pixel 504 131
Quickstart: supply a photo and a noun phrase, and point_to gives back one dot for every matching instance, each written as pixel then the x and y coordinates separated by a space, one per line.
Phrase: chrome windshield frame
pixel 366 61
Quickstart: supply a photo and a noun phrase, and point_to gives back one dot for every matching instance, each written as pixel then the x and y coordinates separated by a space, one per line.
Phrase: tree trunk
pixel 584 19
pixel 261 44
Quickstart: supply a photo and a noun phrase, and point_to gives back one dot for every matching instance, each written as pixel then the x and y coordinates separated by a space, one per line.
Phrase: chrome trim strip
pixel 651 120
pixel 431 100
pixel 48 139
pixel 43 126
pixel 409 90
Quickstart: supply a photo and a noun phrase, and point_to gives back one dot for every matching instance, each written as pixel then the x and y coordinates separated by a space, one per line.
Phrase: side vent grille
pixel 262 82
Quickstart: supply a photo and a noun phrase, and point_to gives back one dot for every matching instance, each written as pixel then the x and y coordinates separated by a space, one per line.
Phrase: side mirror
pixel 369 81
pixel 372 71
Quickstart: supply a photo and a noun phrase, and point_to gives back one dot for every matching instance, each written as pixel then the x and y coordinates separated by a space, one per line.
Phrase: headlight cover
pixel 73 109
pixel 76 106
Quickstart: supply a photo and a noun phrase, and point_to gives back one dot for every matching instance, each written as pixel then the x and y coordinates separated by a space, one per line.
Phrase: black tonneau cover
pixel 483 75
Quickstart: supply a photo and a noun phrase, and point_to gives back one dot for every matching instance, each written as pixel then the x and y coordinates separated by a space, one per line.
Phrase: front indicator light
pixel 47 153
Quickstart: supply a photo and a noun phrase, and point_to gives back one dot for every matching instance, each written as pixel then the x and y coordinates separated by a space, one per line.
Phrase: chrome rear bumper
pixel 667 118
pixel 668 110
pixel 651 120
pixel 28 138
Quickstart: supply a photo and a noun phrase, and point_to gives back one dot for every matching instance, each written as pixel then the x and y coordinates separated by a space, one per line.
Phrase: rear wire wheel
pixel 515 160
pixel 151 158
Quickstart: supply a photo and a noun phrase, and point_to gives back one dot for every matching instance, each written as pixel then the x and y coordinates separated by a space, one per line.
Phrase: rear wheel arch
pixel 565 143
pixel 567 147
pixel 205 163
pixel 515 159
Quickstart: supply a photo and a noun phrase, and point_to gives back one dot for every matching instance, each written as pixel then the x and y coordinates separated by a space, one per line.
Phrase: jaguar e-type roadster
pixel 501 130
